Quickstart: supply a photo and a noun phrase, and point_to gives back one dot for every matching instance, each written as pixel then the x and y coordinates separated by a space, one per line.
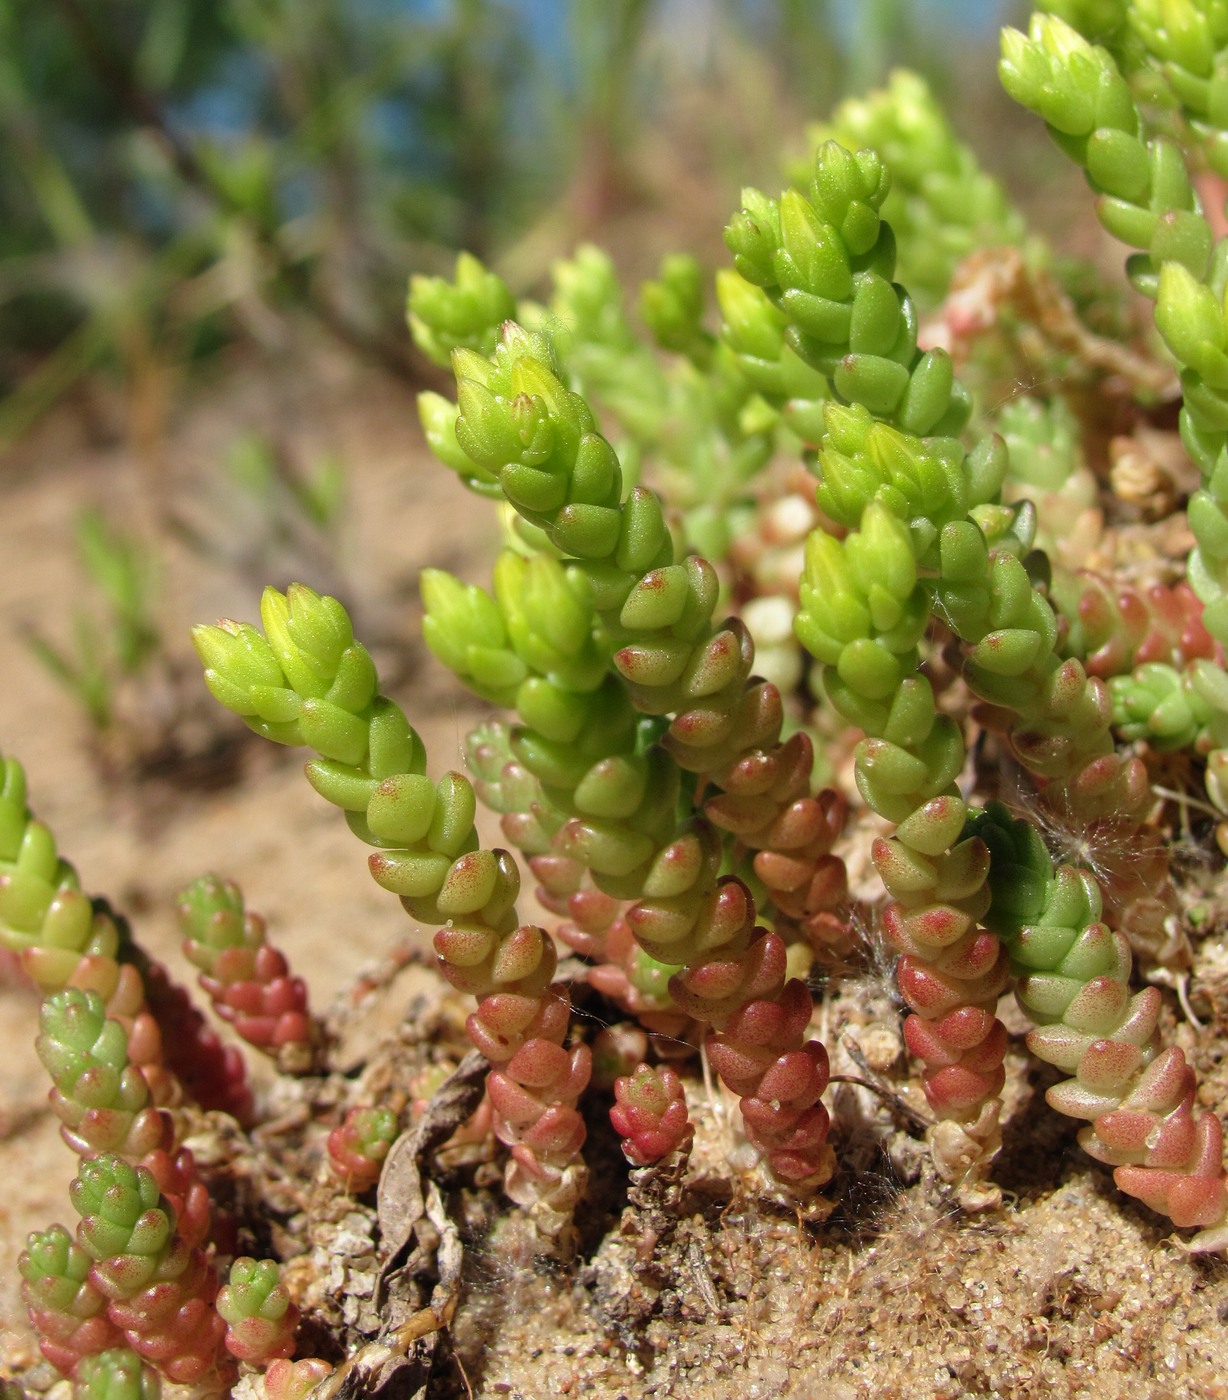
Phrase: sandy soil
pixel 1069 1290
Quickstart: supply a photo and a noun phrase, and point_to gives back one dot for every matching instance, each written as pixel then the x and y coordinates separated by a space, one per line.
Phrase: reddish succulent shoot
pixel 266 1006
pixel 179 1181
pixel 260 1317
pixel 159 1290
pixel 66 1309
pixel 213 1074
pixel 358 1145
pixel 759 1024
pixel 534 1091
pixel 100 1097
pixel 247 979
pixel 1126 627
pixel 294 1380
pixel 650 1114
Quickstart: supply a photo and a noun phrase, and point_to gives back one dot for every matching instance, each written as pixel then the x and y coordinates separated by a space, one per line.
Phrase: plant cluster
pixel 135 1295
pixel 1002 696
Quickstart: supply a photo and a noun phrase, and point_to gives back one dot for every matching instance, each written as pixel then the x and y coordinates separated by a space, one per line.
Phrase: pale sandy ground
pixel 1068 1291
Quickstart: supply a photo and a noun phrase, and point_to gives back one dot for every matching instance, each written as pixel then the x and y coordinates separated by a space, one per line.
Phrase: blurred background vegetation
pixel 179 173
